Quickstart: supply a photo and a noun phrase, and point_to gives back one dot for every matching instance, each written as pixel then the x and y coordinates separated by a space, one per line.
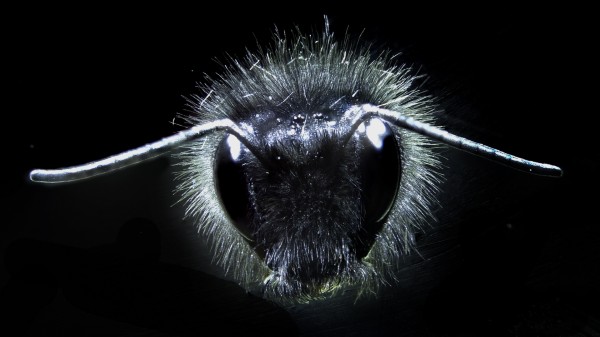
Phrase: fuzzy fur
pixel 308 74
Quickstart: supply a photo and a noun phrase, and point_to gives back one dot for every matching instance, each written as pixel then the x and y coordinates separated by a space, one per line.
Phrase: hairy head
pixel 312 205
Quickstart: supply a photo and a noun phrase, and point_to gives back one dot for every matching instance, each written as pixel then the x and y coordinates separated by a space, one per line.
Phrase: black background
pixel 511 254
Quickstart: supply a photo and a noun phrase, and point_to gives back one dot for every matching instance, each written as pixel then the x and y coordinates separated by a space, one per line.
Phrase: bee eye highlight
pixel 376 132
pixel 235 147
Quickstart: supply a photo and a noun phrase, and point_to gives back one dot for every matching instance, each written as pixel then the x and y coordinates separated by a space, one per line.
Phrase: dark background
pixel 511 254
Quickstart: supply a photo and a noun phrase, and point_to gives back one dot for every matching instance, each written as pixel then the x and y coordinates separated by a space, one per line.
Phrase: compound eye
pixel 232 183
pixel 380 172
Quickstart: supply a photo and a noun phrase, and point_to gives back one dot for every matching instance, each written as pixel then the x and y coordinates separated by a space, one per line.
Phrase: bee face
pixel 306 204
pixel 309 166
pixel 312 207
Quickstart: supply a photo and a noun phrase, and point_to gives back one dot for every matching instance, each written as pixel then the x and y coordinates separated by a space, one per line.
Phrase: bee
pixel 309 165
